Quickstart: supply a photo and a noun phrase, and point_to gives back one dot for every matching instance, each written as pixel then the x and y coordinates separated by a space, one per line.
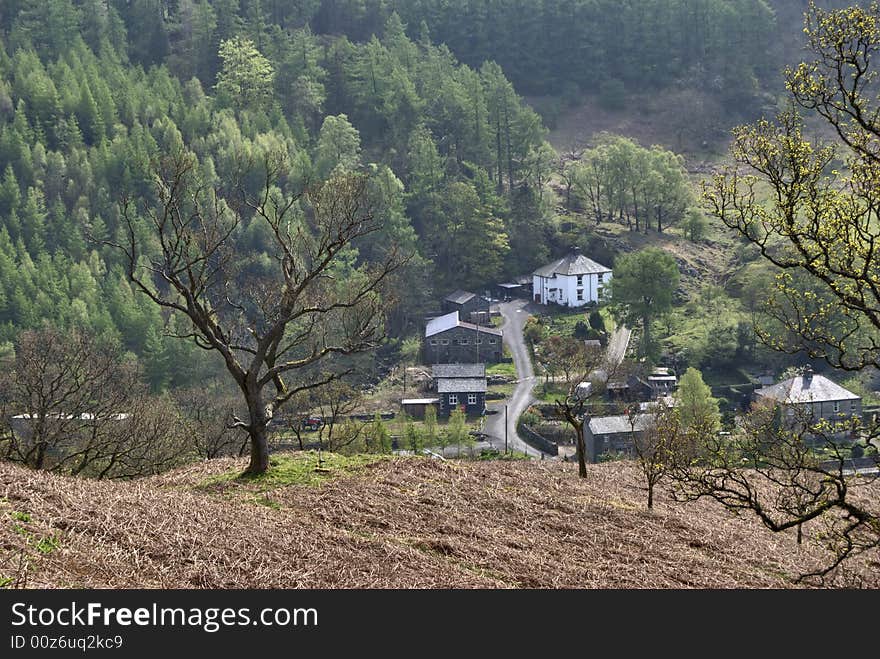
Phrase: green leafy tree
pixel 695 225
pixel 456 429
pixel 379 439
pixel 339 145
pixel 246 76
pixel 413 437
pixel 695 403
pixel 431 435
pixel 642 289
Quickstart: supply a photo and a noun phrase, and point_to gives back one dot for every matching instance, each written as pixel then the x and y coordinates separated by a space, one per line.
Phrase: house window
pixel 444 342
pixel 601 277
pixel 472 399
pixel 492 341
pixel 580 294
pixel 433 342
pixel 453 400
pixel 580 280
pixel 853 407
pixel 836 406
pixel 463 342
pixel 479 342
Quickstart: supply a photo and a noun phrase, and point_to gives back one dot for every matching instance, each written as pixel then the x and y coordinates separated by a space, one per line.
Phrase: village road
pixel 515 316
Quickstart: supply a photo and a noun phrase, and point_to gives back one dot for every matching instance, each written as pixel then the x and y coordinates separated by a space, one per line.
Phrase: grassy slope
pixel 396 523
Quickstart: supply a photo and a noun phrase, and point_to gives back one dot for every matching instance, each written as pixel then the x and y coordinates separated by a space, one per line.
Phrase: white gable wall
pixel 563 289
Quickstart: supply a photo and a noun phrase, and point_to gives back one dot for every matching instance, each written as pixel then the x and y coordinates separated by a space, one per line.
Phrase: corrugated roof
pixel 460 297
pixel 611 425
pixel 458 370
pixel 441 323
pixel 461 385
pixel 450 320
pixel 810 389
pixel 573 264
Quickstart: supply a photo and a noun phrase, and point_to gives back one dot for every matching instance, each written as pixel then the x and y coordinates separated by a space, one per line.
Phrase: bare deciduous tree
pixel 206 410
pixel 770 467
pixel 819 226
pixel 76 405
pixel 273 322
pixel 575 406
pixel 655 435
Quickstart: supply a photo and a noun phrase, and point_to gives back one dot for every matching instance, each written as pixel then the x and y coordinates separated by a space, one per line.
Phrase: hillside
pixel 397 523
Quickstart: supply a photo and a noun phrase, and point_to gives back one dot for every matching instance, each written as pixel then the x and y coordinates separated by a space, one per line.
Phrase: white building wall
pixel 566 289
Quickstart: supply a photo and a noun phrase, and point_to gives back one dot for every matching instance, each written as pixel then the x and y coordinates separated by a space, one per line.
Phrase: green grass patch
pixel 48 545
pixel 301 468
pixel 20 516
pixel 501 369
pixel 506 389
pixel 550 392
pixel 493 454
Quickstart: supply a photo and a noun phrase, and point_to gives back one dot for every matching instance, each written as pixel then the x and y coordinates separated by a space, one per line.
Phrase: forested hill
pixel 87 104
pixel 94 91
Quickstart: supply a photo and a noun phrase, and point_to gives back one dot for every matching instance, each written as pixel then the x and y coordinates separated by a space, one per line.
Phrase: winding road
pixel 515 316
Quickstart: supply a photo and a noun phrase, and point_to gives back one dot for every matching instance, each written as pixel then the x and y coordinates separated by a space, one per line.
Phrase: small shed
pixel 416 407
pixel 470 306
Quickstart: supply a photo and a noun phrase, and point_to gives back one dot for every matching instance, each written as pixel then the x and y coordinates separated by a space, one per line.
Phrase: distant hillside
pixel 398 523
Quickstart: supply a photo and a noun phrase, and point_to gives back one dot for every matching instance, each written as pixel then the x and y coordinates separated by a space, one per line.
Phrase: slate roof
pixel 482 329
pixel 612 425
pixel 460 297
pixel 573 264
pixel 461 385
pixel 458 371
pixel 806 389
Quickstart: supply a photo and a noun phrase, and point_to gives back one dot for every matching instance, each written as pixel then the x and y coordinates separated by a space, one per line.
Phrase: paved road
pixel 515 317
pixel 617 345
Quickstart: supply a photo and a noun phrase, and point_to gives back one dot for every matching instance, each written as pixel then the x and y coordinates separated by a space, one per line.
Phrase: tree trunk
pixel 259 449
pixel 650 495
pixel 581 450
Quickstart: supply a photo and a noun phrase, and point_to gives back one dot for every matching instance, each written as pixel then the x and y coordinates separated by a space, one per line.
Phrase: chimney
pixel 808 375
pixel 575 250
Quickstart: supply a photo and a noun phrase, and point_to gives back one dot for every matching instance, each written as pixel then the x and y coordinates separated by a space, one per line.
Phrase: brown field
pixel 398 523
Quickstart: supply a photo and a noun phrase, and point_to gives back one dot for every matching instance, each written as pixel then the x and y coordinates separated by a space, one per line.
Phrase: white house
pixel 573 281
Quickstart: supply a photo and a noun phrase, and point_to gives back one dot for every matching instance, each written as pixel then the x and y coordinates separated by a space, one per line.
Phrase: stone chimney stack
pixel 808 375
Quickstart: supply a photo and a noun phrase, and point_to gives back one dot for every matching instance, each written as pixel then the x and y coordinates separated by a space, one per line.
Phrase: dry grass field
pixel 392 523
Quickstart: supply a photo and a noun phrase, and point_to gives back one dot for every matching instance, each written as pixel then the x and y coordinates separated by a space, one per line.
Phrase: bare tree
pixel 205 411
pixel 65 391
pixel 770 467
pixel 273 322
pixel 655 435
pixel 76 405
pixel 819 226
pixel 575 406
pixel 336 402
